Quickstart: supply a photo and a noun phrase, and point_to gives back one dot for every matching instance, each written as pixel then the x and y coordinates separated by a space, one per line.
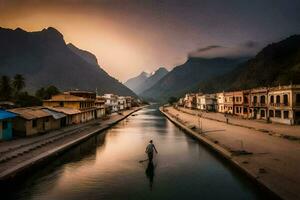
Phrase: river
pixel 107 167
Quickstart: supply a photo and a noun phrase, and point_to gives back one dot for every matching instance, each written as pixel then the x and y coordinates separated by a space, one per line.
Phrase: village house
pixel 35 120
pixel 206 102
pixel 220 102
pixel 128 102
pixel 180 102
pixel 284 104
pixel 6 124
pixel 190 101
pixel 79 108
pixel 121 103
pixel 241 103
pixel 111 100
pixel 100 105
pixel 228 102
pixel 258 103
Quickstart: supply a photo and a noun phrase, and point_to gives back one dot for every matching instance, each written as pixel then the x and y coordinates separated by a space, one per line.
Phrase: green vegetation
pixel 12 90
pixel 172 100
pixel 46 93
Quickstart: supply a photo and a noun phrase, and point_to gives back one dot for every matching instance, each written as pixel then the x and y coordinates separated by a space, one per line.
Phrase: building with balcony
pixel 258 103
pixel 220 102
pixel 228 102
pixel 206 102
pixel 79 108
pixel 284 104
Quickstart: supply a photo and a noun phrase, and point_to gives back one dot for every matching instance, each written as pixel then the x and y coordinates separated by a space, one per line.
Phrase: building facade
pixel 284 104
pixel 6 131
pixel 206 102
pixel 35 120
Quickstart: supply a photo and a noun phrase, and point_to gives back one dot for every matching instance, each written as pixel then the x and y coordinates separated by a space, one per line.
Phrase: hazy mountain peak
pixel 145 80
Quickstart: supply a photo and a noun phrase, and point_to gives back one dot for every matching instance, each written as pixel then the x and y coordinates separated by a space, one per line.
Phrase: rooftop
pixel 6 115
pixel 30 112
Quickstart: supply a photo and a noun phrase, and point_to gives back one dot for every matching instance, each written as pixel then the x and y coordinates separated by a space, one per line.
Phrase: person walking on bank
pixel 149 150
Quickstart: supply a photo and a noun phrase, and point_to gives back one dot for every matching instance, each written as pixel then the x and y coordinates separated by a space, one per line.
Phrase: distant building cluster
pixel 275 104
pixel 68 108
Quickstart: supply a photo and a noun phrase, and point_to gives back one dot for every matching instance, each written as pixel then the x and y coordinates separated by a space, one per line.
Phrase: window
pixel 298 98
pixel 262 113
pixel 246 99
pixel 34 123
pixel 255 99
pixel 272 99
pixel 61 104
pixel 4 125
pixel 285 114
pixel 277 99
pixel 285 100
pixel 271 113
pixel 263 99
pixel 278 113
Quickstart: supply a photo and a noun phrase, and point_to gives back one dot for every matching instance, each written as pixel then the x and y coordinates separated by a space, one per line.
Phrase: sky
pixel 131 36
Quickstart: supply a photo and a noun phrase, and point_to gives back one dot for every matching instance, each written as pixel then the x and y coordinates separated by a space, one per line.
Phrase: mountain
pixel 145 81
pixel 188 76
pixel 277 63
pixel 87 56
pixel 152 80
pixel 135 82
pixel 44 58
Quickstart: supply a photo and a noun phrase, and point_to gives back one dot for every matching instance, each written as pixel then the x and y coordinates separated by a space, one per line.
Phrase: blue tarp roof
pixel 6 115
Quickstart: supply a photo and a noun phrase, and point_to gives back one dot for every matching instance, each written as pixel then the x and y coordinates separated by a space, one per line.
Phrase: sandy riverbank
pixel 272 161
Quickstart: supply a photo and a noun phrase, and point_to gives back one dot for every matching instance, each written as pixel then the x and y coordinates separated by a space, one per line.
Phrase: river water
pixel 107 167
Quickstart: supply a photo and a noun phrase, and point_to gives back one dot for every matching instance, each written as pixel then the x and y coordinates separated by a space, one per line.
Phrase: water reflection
pixel 150 172
pixel 107 167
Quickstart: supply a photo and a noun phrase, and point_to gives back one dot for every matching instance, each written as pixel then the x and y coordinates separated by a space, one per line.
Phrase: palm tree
pixel 5 88
pixel 18 83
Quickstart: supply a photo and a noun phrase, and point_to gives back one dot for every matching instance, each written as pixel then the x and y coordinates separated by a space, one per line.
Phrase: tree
pixel 41 93
pixel 172 100
pixel 18 83
pixel 24 100
pixel 51 90
pixel 47 93
pixel 5 88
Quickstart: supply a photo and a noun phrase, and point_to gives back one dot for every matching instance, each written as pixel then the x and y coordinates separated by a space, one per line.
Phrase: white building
pixel 111 100
pixel 121 103
pixel 207 102
pixel 220 102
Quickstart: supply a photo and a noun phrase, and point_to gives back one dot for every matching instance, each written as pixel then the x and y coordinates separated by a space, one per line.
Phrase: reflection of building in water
pixel 150 173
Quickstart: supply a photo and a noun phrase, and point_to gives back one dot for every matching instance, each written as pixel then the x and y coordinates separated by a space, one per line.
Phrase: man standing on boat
pixel 149 150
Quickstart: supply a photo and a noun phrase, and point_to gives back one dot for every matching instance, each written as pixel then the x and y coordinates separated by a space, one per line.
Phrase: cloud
pixel 245 49
pixel 250 44
pixel 208 48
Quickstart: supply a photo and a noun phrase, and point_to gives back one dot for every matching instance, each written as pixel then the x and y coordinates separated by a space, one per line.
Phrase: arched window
pixel 272 99
pixel 285 99
pixel 263 99
pixel 277 99
pixel 255 99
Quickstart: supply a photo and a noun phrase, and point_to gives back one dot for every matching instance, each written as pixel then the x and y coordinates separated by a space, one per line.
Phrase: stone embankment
pixel 272 162
pixel 20 155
